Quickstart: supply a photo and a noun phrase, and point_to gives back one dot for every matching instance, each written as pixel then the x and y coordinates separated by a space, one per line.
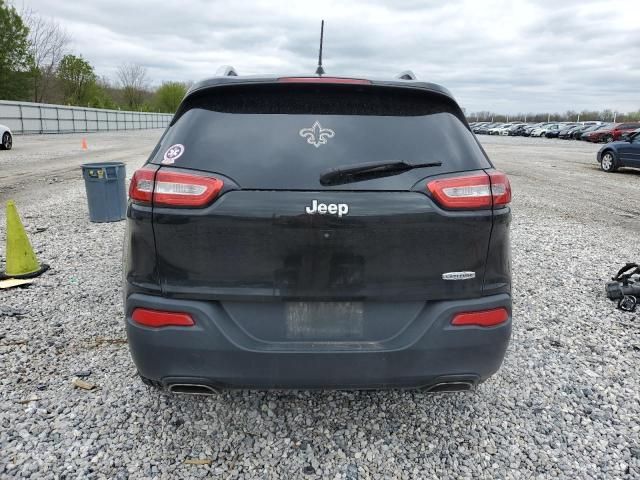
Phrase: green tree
pixel 15 60
pixel 99 97
pixel 77 79
pixel 169 96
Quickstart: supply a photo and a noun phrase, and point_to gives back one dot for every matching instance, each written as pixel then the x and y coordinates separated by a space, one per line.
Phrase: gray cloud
pixel 528 55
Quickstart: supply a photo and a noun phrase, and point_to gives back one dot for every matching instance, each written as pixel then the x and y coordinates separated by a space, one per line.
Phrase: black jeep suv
pixel 317 232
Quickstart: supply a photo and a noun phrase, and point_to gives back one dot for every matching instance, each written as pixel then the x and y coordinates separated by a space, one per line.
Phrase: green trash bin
pixel 106 191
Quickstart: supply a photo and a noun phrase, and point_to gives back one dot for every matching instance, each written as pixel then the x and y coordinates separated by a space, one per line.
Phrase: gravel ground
pixel 565 404
pixel 38 161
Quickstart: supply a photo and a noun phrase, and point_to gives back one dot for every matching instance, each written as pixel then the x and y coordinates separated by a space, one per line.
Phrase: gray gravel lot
pixel 566 403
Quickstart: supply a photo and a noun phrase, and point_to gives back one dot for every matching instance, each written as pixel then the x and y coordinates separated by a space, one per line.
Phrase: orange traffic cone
pixel 84 144
pixel 21 261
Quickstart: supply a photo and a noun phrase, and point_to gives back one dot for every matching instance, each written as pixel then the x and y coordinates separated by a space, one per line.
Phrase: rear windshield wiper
pixel 367 171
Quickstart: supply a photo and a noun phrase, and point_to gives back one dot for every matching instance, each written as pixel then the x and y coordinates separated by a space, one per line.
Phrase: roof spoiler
pixel 406 75
pixel 226 71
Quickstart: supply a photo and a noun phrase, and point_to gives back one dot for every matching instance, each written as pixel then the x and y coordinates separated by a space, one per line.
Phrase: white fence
pixel 26 117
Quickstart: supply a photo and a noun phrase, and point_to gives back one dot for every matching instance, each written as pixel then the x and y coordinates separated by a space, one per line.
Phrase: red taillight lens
pixel 141 186
pixel 173 189
pixel 500 189
pixel 158 319
pixel 485 318
pixel 347 81
pixel 485 190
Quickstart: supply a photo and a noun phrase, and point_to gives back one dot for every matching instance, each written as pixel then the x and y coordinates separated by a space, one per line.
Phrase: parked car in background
pixel 511 129
pixel 628 135
pixel 567 133
pixel 555 133
pixel 500 129
pixel 495 130
pixel 484 129
pixel 577 133
pixel 6 138
pixel 529 130
pixel 610 133
pixel 619 154
pixel 542 131
pixel 518 130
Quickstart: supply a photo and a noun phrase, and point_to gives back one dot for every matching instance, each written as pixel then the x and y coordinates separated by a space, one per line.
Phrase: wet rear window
pixel 286 136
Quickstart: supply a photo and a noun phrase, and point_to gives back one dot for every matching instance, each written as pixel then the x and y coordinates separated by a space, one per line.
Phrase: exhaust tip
pixel 192 389
pixel 450 387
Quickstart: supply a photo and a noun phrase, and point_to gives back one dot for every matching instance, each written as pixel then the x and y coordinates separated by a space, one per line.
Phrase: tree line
pixel 568 116
pixel 37 65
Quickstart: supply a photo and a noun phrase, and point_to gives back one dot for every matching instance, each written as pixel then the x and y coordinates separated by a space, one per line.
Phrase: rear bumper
pixel 218 353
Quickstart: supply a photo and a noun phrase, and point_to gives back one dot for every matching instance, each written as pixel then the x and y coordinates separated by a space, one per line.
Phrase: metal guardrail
pixel 35 118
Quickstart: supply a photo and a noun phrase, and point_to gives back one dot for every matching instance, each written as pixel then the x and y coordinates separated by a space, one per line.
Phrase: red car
pixel 610 134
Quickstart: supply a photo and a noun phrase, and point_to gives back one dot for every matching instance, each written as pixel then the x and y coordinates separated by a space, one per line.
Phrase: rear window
pixel 286 136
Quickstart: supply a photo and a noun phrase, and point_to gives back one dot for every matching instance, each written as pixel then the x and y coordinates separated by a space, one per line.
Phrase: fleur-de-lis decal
pixel 316 135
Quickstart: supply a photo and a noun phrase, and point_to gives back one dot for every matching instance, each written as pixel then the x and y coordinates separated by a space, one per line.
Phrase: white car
pixel 6 138
pixel 540 131
pixel 504 130
pixel 496 130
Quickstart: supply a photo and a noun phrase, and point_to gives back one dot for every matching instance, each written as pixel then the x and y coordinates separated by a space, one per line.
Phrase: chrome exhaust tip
pixel 192 389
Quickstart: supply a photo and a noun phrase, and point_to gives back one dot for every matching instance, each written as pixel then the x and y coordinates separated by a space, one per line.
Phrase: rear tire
pixel 608 139
pixel 7 141
pixel 608 162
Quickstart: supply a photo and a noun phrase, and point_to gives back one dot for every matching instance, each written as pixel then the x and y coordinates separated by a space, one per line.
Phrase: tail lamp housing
pixel 166 188
pixel 472 192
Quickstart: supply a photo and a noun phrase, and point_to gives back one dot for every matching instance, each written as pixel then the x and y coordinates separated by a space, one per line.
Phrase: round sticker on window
pixel 173 153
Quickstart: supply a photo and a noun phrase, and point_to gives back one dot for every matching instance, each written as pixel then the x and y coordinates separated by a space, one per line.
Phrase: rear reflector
pixel 485 318
pixel 173 189
pixel 348 81
pixel 157 318
pixel 481 191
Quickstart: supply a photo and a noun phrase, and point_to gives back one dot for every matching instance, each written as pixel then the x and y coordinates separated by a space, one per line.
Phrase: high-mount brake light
pixel 338 80
pixel 471 192
pixel 173 189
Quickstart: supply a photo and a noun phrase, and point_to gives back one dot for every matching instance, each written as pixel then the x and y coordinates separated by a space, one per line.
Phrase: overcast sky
pixel 505 56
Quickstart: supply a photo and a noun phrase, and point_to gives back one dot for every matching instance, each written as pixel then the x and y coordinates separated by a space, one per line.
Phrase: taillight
pixel 184 190
pixel 158 319
pixel 481 191
pixel 173 189
pixel 347 81
pixel 141 186
pixel 484 318
pixel 500 189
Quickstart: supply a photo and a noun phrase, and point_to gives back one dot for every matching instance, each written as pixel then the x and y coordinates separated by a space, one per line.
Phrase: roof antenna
pixel 320 70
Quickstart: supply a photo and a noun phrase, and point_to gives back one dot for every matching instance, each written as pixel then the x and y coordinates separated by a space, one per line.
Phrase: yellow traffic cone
pixel 21 259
